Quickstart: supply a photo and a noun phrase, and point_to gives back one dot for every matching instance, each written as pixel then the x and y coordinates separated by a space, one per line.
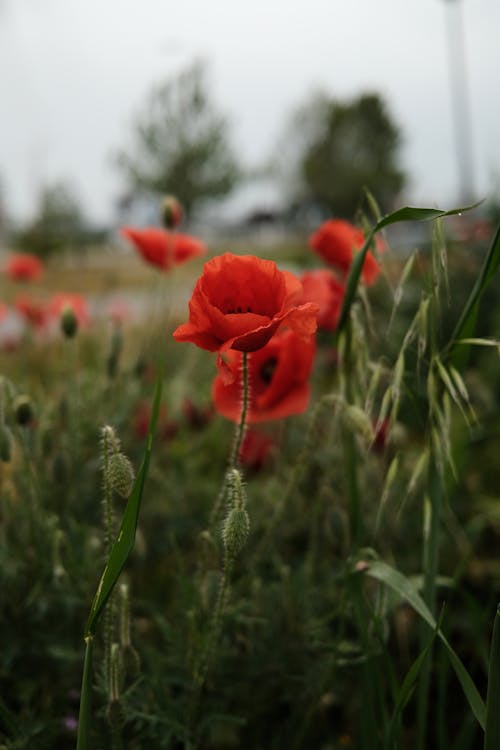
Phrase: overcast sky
pixel 74 73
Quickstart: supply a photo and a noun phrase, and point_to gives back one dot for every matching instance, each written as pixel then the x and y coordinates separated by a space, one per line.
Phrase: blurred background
pixel 257 115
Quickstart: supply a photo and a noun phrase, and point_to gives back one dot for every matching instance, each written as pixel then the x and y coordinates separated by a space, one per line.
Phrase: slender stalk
pixel 432 512
pixel 202 667
pixel 108 536
pixel 82 742
pixel 240 431
pixel 237 442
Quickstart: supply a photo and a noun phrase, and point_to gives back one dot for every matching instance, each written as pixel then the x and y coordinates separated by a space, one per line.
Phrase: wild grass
pixel 359 610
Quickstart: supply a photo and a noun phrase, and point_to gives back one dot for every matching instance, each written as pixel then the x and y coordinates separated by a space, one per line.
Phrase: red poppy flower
pixel 33 311
pixel 164 249
pixel 256 450
pixel 240 301
pixel 322 287
pixel 23 267
pixel 336 241
pixel 278 375
pixel 78 304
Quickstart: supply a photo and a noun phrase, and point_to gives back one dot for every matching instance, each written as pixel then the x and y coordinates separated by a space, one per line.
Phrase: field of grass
pixel 372 547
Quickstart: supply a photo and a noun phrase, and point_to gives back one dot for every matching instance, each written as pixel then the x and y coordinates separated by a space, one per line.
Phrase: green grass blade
pixel 407 213
pixel 467 321
pixel 407 688
pixel 125 540
pixel 492 733
pixel 82 741
pixel 406 589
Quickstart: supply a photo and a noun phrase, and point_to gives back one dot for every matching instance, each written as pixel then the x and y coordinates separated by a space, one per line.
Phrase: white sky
pixel 74 73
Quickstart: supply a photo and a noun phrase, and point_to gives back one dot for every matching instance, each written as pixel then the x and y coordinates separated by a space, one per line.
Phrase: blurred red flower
pixel 336 241
pixel 166 429
pixel 256 450
pixel 3 311
pixel 62 300
pixel 164 249
pixel 278 376
pixel 33 311
pixel 23 267
pixel 322 287
pixel 240 301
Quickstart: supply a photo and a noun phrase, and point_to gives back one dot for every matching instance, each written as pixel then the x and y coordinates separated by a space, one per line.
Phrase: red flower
pixel 62 300
pixel 3 311
pixel 23 267
pixel 164 249
pixel 256 450
pixel 33 311
pixel 166 429
pixel 336 241
pixel 278 376
pixel 240 301
pixel 322 287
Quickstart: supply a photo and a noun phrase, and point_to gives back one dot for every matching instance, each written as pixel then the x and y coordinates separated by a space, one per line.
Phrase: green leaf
pixel 492 733
pixel 125 540
pixel 466 324
pixel 405 588
pixel 408 213
pixel 408 686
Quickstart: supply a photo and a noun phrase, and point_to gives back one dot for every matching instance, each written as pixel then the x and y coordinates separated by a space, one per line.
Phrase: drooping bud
pixel 121 474
pixel 171 212
pixel 23 410
pixel 69 322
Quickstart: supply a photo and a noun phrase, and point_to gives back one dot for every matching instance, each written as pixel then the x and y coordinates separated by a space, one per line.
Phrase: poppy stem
pixel 235 454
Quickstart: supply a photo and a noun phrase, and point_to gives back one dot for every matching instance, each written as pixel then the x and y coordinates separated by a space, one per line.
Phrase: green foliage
pixel 345 148
pixel 338 555
pixel 58 224
pixel 181 143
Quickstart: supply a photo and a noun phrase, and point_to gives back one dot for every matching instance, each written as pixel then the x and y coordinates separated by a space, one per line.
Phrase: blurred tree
pixel 58 223
pixel 181 143
pixel 337 149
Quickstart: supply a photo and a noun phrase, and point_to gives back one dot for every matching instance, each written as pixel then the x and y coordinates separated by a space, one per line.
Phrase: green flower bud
pixel 121 474
pixel 23 410
pixel 69 322
pixel 171 212
pixel 235 530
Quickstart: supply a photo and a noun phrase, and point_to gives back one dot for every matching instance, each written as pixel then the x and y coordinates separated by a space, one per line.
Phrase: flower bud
pixel 69 322
pixel 171 212
pixel 235 530
pixel 23 410
pixel 121 474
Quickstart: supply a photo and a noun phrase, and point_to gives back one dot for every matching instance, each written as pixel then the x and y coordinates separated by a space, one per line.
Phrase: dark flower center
pixel 267 369
pixel 237 310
